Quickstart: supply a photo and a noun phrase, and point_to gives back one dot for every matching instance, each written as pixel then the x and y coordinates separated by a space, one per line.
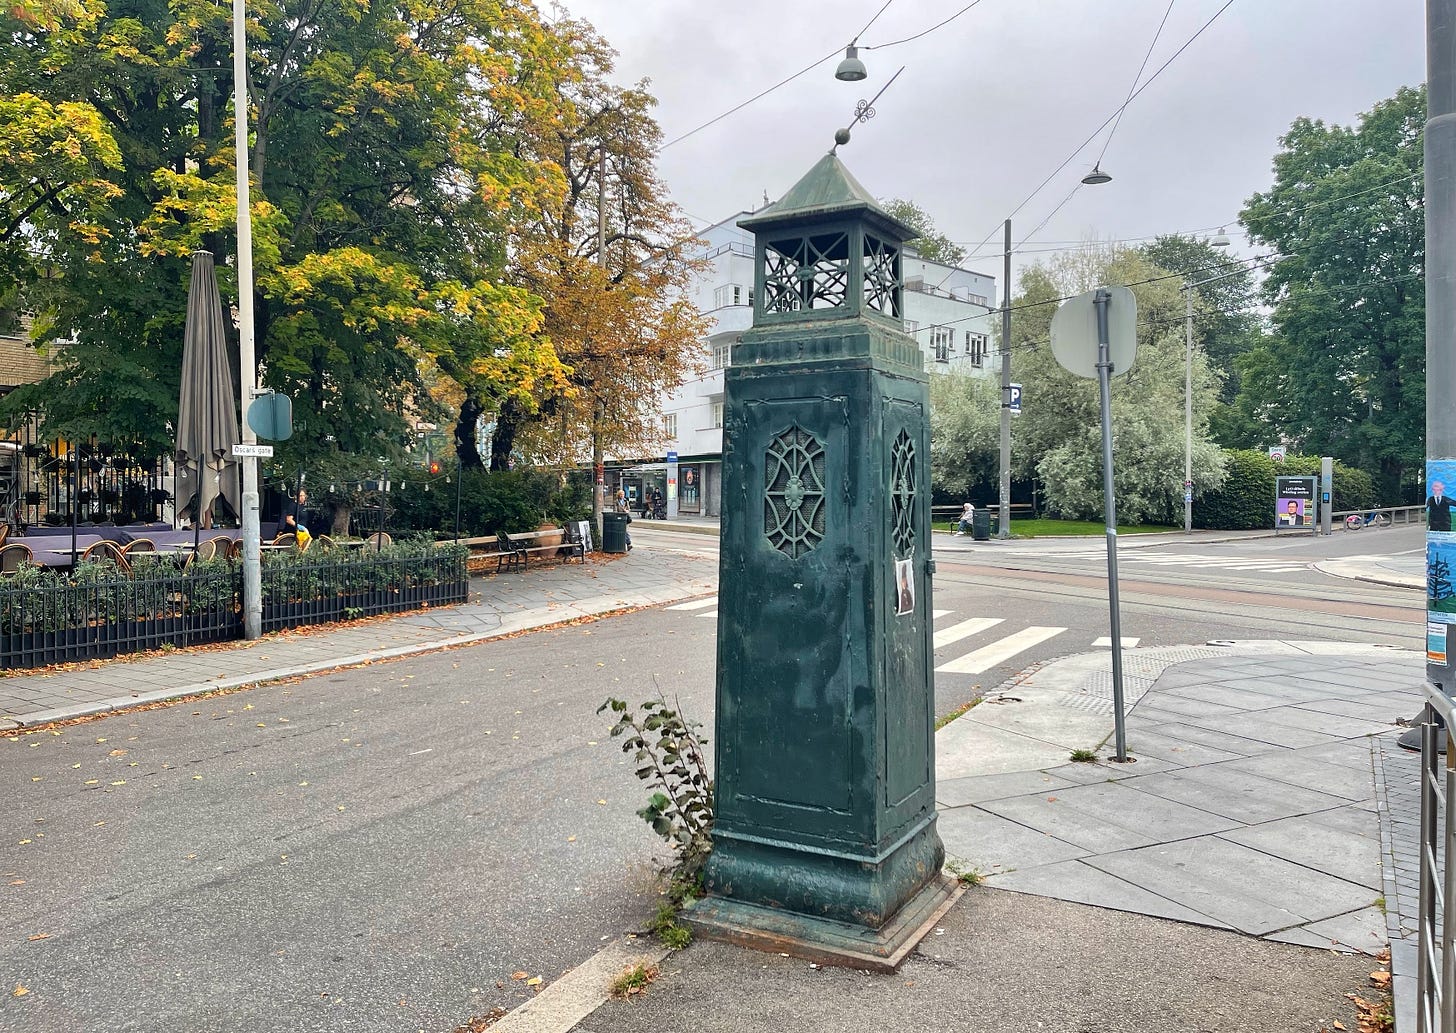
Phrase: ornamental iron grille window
pixel 882 277
pixel 793 505
pixel 803 273
pixel 902 495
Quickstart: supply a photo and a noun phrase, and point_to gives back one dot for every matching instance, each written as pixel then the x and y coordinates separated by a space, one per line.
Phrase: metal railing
pixel 1383 517
pixel 1435 959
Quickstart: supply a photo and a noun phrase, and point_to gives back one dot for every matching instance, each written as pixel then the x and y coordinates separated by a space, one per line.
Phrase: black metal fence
pixel 309 588
pixel 97 611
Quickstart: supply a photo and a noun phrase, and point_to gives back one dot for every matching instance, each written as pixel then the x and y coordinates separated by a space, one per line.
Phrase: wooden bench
pixel 515 550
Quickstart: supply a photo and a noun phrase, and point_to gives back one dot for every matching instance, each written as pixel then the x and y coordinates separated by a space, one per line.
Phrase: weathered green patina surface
pixel 825 836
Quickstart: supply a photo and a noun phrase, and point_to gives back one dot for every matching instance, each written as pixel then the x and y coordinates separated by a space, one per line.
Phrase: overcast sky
pixel 992 102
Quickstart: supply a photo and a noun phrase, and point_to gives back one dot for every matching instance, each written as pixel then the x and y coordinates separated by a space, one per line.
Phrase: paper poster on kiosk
pixel 1294 502
pixel 1440 560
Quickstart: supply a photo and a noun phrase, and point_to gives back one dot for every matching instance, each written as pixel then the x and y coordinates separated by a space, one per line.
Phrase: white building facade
pixel 949 311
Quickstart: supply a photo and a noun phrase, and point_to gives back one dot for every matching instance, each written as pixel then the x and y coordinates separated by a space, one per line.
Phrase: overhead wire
pixel 815 64
pixel 1203 229
pixel 923 32
pixel 1135 80
pixel 862 31
pixel 1108 121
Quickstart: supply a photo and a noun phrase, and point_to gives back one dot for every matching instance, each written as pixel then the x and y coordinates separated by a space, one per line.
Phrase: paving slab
pixel 1083 884
pixel 957 792
pixel 1099 815
pixel 1363 930
pixel 1233 793
pixel 989 843
pixel 1347 779
pixel 1342 842
pixel 1248 889
pixel 1256 726
pixel 1236 745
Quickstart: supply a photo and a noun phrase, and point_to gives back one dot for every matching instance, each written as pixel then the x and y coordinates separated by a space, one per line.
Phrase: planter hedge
pixel 97 611
pixel 1246 500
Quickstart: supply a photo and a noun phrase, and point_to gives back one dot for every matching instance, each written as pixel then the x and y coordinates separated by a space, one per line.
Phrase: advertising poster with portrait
pixel 1440 560
pixel 1294 503
pixel 689 485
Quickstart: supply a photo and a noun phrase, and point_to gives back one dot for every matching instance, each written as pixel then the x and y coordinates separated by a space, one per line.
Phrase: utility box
pixel 825 841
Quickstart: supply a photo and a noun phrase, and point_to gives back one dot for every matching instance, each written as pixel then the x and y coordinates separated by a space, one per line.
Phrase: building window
pixel 977 347
pixel 669 425
pixel 942 341
pixel 732 294
pixel 979 299
pixel 912 325
pixel 723 353
pixel 717 415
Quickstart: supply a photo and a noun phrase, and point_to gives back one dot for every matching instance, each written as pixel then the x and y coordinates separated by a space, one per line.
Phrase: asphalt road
pixel 1049 597
pixel 377 849
pixel 381 849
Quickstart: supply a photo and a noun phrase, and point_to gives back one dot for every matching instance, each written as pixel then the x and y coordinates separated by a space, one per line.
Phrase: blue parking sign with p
pixel 1013 399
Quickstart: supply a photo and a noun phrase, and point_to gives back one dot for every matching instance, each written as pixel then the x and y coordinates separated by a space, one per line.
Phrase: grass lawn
pixel 1053 528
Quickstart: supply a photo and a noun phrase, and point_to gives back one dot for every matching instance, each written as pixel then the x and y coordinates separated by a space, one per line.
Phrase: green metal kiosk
pixel 825 843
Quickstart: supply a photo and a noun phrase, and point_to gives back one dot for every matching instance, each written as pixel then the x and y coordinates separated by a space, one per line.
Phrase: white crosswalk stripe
pixel 696 604
pixel 965 629
pixel 1105 642
pixel 1204 561
pixel 999 651
pixel 977 661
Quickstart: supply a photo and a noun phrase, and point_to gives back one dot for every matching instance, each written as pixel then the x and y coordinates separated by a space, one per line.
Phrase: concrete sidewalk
pixel 500 605
pixel 1254 817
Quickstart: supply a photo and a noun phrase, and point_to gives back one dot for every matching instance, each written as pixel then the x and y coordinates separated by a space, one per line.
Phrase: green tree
pixel 387 183
pixel 965 421
pixel 931 243
pixel 1344 372
pixel 612 257
pixel 1058 438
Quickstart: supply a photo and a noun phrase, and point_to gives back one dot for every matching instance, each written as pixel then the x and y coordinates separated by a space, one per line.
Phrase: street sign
pixel 271 416
pixel 672 457
pixel 1276 453
pixel 1013 401
pixel 256 451
pixel 1074 332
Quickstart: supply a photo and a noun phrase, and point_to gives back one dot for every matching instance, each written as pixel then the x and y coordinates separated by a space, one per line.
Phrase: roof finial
pixel 863 112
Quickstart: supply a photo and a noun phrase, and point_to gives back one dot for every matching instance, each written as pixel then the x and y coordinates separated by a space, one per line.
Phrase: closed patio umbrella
pixel 207 418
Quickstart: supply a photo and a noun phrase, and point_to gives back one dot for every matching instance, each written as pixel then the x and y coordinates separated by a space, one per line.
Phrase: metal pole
pixel 1005 492
pixel 1440 172
pixel 1104 384
pixel 459 477
pixel 75 481
pixel 599 487
pixel 1327 488
pixel 247 366
pixel 1188 418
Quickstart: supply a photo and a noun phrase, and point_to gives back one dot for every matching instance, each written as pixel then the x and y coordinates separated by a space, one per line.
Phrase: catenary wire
pixel 1135 80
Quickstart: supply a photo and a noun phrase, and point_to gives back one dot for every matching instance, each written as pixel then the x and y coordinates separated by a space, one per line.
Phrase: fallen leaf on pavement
pixel 1380 978
pixel 117 753
pixel 519 975
pixel 19 991
pixel 37 936
pixel 534 981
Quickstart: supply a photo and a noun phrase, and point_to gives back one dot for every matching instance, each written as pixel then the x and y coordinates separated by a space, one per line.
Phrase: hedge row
pixel 494 501
pixel 1246 500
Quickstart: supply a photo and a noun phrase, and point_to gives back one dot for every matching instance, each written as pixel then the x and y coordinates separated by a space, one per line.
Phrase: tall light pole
pixel 1219 241
pixel 247 366
pixel 1004 531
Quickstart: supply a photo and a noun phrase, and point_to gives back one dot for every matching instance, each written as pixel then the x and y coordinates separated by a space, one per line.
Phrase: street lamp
pixel 1221 240
pixel 1097 177
pixel 851 69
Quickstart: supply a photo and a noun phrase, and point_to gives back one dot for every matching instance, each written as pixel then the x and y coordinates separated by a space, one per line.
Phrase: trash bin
pixel 614 532
pixel 980 525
